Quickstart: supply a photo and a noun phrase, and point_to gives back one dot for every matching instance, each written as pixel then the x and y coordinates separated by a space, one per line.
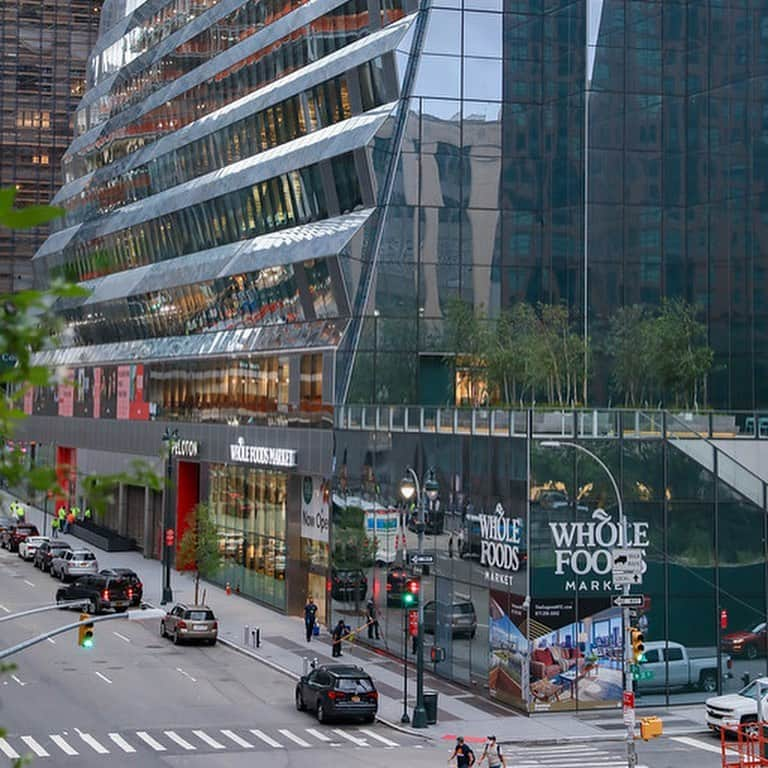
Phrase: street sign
pixel 422 559
pixel 623 579
pixel 626 559
pixel 628 699
pixel 629 601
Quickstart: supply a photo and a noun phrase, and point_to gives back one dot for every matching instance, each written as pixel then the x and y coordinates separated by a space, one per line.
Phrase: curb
pixel 561 740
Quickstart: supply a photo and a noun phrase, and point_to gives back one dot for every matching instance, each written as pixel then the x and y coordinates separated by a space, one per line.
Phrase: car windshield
pixel 199 615
pixel 755 690
pixel 84 556
pixel 354 685
pixel 758 629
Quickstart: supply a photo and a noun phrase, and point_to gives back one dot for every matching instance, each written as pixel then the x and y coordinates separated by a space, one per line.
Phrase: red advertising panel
pixel 29 398
pixel 123 392
pixel 66 396
pixel 97 393
pixel 138 408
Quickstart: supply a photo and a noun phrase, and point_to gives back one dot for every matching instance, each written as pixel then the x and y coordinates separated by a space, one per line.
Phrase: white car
pixel 736 708
pixel 73 563
pixel 28 546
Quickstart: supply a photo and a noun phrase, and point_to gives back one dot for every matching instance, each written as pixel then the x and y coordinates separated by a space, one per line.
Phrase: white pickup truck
pixel 736 708
pixel 675 666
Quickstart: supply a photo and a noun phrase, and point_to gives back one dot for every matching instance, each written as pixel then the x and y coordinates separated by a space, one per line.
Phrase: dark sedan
pixel 131 577
pixel 47 551
pixel 336 691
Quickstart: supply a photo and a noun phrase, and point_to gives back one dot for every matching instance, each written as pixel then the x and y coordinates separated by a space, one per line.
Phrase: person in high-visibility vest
pixel 55 527
pixel 87 513
pixel 71 519
pixel 20 512
pixel 62 515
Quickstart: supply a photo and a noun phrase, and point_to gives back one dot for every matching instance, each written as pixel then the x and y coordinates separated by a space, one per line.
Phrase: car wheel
pixel 751 651
pixel 59 597
pixel 708 682
pixel 321 716
pixel 369 718
pixel 212 641
pixel 751 728
pixel 93 606
pixel 300 701
pixel 163 633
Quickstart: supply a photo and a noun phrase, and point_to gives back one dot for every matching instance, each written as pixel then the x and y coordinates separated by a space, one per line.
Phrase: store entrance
pixel 316 588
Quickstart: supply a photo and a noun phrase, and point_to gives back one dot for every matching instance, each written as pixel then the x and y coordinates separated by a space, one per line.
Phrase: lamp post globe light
pixel 170 438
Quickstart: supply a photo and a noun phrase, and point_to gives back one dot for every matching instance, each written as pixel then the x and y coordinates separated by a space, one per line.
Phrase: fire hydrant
pixel 228 589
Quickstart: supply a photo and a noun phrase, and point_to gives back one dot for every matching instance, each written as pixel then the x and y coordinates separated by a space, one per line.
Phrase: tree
pixel 199 547
pixel 630 347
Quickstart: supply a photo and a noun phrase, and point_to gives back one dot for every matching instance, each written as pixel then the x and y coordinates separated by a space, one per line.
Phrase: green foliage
pixel 199 547
pixel 24 218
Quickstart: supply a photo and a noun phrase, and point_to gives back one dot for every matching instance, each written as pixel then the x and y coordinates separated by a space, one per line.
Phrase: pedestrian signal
pixel 85 632
pixel 638 646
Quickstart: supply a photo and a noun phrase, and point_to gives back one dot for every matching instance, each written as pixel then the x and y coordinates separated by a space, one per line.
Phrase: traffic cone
pixel 228 589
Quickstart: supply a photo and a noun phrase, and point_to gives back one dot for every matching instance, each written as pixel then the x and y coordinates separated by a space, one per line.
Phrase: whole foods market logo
pixel 583 550
pixel 500 538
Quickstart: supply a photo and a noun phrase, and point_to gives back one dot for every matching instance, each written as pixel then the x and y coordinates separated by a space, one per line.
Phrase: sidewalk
pixel 284 648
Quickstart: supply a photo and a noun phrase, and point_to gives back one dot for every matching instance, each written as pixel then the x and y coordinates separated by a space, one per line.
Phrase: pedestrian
pixel 464 755
pixel 339 631
pixel 87 513
pixel 372 619
pixel 70 521
pixel 55 527
pixel 310 611
pixel 62 515
pixel 450 545
pixel 492 753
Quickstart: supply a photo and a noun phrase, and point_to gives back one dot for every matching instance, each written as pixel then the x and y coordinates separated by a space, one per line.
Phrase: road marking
pixel 16 679
pixel 202 735
pixel 382 739
pixel 147 739
pixel 349 737
pixel 121 742
pixel 7 610
pixel 179 669
pixel 103 677
pixel 34 746
pixel 27 581
pixel 122 637
pixel 61 744
pixel 294 738
pixel 92 743
pixel 266 739
pixel 317 734
pixel 689 742
pixel 51 640
pixel 183 743
pixel 239 741
pixel 7 749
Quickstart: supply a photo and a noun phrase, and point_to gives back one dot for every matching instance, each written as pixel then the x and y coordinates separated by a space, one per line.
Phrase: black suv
pixel 348 585
pixel 46 552
pixel 336 691
pixel 397 578
pixel 131 577
pixel 102 592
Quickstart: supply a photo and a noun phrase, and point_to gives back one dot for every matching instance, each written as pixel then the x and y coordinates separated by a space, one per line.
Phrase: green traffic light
pixel 88 641
pixel 408 599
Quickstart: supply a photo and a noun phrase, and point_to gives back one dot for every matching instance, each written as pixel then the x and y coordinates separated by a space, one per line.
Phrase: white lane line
pixel 121 742
pixel 382 739
pixel 609 762
pixel 27 581
pixel 689 742
pixel 35 747
pixel 7 610
pixel 211 742
pixel 183 743
pixel 266 739
pixel 179 669
pixel 147 739
pixel 103 677
pixel 350 737
pixel 16 679
pixel 294 738
pixel 92 743
pixel 62 745
pixel 238 740
pixel 122 637
pixel 7 749
pixel 51 640
pixel 317 734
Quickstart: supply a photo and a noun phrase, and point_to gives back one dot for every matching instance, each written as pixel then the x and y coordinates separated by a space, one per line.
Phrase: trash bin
pixel 430 705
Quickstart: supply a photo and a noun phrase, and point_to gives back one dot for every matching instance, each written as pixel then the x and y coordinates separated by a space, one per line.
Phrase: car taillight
pixel 130 593
pixel 182 624
pixel 335 695
pixel 373 695
pixel 389 587
pixel 215 625
pixel 105 595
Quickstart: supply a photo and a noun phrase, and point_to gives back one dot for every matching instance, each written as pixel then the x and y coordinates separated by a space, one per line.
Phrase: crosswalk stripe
pixel 294 738
pixel 689 742
pixel 92 743
pixel 37 748
pixel 121 742
pixel 7 749
pixel 382 739
pixel 147 739
pixel 238 739
pixel 183 743
pixel 62 745
pixel 350 737
pixel 266 739
pixel 203 736
pixel 317 734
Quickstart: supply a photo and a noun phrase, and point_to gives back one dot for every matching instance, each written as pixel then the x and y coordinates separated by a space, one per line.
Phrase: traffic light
pixel 85 633
pixel 411 593
pixel 638 646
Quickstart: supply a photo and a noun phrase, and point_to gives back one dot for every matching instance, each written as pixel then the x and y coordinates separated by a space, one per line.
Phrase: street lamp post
pixel 630 735
pixel 409 486
pixel 170 438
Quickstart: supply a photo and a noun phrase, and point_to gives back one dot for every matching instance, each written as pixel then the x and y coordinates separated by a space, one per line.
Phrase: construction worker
pixel 87 513
pixel 55 527
pixel 62 515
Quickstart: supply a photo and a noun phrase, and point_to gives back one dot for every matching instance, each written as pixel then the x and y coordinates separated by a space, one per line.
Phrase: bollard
pixel 305 665
pixel 246 630
pixel 256 637
pixel 314 663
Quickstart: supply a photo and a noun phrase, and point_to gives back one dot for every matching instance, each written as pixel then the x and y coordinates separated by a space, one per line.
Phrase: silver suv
pixel 74 563
pixel 190 622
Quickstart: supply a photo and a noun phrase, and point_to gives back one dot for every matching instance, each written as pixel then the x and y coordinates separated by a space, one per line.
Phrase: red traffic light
pixel 413 587
pixel 170 536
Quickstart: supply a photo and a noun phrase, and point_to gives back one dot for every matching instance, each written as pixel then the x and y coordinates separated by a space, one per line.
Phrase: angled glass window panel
pixel 482 79
pixel 482 34
pixel 481 128
pixel 438 77
pixel 443 34
pixel 440 124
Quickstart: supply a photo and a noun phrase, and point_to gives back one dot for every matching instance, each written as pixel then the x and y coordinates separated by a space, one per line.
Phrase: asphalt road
pixel 135 698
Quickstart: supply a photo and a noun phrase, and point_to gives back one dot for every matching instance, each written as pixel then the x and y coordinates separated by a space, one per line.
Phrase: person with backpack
pixel 492 753
pixel 310 610
pixel 463 753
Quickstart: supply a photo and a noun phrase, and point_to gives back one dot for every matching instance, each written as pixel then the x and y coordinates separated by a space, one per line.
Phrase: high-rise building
pixel 45 45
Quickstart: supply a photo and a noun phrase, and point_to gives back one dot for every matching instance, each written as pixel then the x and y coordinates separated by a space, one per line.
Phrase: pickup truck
pixel 736 708
pixel 674 666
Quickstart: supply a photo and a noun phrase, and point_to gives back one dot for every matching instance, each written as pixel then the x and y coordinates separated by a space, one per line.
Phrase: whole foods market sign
pixel 262 454
pixel 583 550
pixel 500 539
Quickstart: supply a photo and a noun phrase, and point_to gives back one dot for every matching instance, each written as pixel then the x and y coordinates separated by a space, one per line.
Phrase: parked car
pixel 190 622
pixel 46 552
pixel 675 666
pixel 28 546
pixel 12 536
pixel 748 642
pixel 736 708
pixel 348 585
pixel 73 563
pixel 6 523
pixel 397 578
pixel 131 577
pixel 461 616
pixel 336 691
pixel 103 593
